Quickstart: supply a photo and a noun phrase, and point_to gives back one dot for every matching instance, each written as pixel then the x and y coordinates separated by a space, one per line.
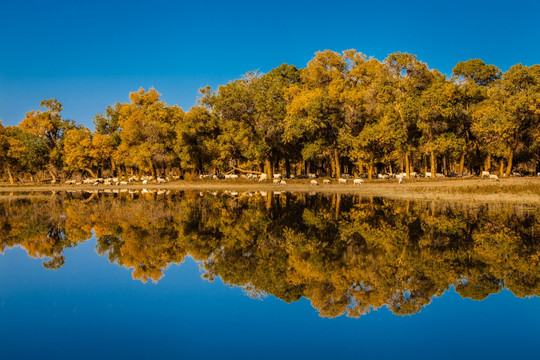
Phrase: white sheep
pixel 358 181
pixel 314 182
pixel 342 181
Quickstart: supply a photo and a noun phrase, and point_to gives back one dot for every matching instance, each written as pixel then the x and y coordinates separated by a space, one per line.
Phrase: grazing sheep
pixel 485 174
pixel 96 183
pixel 358 181
pixel 314 182
pixel 145 182
pixel 263 178
pixel 282 183
pixel 439 175
pixel 123 183
pixel 400 180
pixel 277 176
pixel 493 178
pixel 342 181
pixel 161 180
pixel 326 181
pixel 428 175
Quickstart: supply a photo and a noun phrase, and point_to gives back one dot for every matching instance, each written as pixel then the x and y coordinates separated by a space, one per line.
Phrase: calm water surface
pixel 193 275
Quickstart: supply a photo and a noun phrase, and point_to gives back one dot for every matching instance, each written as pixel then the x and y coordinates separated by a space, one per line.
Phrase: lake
pixel 228 275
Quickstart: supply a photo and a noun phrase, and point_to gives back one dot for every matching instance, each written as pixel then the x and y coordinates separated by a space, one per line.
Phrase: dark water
pixel 289 276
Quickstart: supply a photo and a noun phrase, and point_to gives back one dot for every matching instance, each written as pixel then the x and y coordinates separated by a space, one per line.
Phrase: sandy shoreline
pixel 516 190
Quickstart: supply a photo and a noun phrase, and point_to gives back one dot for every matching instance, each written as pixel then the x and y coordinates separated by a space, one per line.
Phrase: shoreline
pixel 512 190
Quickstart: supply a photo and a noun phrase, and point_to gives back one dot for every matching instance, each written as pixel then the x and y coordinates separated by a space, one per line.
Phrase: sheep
pixel 494 178
pixel 161 180
pixel 485 174
pixel 263 178
pixel 342 181
pixel 107 183
pixel 326 181
pixel 413 174
pixel 439 175
pixel 277 176
pixel 282 183
pixel 400 180
pixel 96 183
pixel 123 183
pixel 312 176
pixel 145 182
pixel 314 182
pixel 428 175
pixel 516 174
pixel 276 181
pixel 358 181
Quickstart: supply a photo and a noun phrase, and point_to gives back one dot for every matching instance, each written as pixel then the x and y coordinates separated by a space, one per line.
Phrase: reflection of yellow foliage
pixel 373 254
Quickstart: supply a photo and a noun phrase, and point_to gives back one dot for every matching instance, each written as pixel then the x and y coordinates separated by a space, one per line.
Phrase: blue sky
pixel 92 54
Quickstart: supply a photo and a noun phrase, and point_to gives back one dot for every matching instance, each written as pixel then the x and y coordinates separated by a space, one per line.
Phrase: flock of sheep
pixel 117 181
pixel 277 178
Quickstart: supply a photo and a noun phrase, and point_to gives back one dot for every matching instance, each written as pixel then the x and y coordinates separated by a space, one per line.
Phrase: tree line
pixel 346 254
pixel 342 113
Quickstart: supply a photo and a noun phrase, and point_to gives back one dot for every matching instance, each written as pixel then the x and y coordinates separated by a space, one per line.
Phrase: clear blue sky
pixel 91 54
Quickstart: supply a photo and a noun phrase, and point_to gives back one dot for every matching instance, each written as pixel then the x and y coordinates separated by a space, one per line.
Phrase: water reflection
pixel 346 254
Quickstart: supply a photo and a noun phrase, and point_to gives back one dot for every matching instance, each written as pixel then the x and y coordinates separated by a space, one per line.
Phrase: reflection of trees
pixel 345 254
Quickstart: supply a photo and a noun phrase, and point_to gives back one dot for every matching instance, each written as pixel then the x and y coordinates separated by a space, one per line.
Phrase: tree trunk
pixel 488 162
pixel 10 175
pixel 52 174
pixel 337 168
pixel 407 166
pixel 444 165
pixel 501 167
pixel 462 164
pixel 287 167
pixel 360 168
pixel 510 161
pixel 370 169
pixel 433 164
pixel 268 168
pixel 91 172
